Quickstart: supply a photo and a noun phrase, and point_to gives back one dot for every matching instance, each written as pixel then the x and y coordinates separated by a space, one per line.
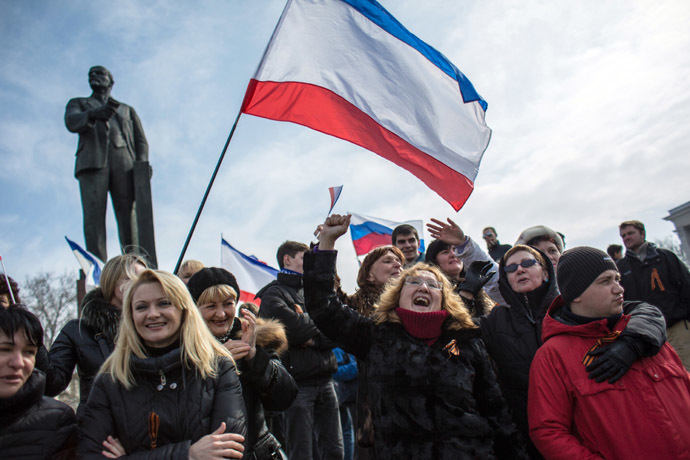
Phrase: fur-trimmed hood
pixel 270 334
pixel 99 316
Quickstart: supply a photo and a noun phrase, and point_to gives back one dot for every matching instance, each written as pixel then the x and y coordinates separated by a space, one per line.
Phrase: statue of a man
pixel 111 139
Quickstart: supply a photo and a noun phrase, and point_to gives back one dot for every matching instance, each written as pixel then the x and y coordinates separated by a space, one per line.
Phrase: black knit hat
pixel 578 268
pixel 211 276
pixel 433 250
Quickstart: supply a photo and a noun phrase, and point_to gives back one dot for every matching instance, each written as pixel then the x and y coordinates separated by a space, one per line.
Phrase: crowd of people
pixel 527 351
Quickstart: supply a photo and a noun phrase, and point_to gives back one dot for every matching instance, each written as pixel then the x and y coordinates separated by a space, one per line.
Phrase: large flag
pixel 349 69
pixel 90 264
pixel 371 232
pixel 251 273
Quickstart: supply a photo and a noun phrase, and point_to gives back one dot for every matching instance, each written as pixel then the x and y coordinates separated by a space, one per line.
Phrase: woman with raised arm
pixel 88 341
pixel 255 345
pixel 169 390
pixel 432 390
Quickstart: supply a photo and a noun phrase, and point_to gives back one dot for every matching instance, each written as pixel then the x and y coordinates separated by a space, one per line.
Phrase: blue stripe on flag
pixel 96 266
pixel 251 260
pixel 377 14
pixel 359 231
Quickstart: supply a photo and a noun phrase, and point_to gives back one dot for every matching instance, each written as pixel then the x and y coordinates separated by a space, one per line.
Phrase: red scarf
pixel 423 326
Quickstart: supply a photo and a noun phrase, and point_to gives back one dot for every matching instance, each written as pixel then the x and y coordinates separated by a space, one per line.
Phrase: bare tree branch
pixel 53 298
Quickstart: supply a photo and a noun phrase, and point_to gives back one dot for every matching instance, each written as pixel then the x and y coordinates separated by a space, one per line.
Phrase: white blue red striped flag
pixel 371 232
pixel 251 273
pixel 90 264
pixel 335 194
pixel 349 69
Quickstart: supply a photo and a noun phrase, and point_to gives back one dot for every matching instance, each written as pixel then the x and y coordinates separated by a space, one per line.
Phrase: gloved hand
pixel 478 274
pixel 613 360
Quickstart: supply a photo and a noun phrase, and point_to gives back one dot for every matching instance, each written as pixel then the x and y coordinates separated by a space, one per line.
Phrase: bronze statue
pixel 112 155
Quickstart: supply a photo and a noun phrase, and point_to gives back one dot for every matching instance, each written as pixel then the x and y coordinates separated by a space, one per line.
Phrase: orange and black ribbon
pixel 610 338
pixel 656 281
pixel 154 424
pixel 452 348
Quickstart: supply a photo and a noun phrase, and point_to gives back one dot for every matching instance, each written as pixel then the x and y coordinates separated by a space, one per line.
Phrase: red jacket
pixel 644 415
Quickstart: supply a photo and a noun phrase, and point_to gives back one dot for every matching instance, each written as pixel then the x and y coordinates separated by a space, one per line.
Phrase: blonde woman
pixel 88 341
pixel 255 343
pixel 169 389
pixel 432 391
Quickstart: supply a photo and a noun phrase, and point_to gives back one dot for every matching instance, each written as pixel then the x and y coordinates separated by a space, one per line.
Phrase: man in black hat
pixel 590 394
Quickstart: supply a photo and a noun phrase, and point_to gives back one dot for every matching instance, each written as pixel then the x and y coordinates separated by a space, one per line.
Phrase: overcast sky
pixel 589 103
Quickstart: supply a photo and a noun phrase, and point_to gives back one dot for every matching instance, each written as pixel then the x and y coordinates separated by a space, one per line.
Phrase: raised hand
pixel 249 332
pixel 333 228
pixel 478 274
pixel 450 232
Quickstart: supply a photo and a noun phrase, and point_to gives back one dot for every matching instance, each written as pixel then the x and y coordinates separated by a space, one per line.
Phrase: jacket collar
pixel 28 396
pixel 99 316
pixel 553 324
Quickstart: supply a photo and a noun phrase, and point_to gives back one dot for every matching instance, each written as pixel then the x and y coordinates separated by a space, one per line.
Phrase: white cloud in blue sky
pixel 589 103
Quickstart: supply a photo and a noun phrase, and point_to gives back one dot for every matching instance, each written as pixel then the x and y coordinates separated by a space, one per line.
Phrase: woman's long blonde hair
pixel 199 349
pixel 117 268
pixel 450 301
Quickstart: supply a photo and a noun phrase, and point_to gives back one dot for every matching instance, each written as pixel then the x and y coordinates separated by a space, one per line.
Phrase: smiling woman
pixel 431 388
pixel 163 349
pixel 32 426
pixel 255 344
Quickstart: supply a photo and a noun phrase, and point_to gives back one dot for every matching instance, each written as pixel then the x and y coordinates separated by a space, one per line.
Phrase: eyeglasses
pixel 524 264
pixel 418 281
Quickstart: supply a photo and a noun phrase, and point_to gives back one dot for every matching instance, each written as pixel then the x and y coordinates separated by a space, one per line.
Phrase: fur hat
pixel 540 230
pixel 578 268
pixel 211 276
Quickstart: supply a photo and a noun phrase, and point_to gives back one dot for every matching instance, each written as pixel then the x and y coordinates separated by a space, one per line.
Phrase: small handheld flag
pixel 335 194
pixel 371 232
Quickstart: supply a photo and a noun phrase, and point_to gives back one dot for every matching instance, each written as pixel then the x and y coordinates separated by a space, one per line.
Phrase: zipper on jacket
pixel 163 380
pixel 528 309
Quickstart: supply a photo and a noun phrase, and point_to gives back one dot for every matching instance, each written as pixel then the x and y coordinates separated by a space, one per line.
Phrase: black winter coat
pixel 34 427
pixel 661 280
pixel 85 343
pixel 266 384
pixel 186 407
pixel 512 334
pixel 427 402
pixel 306 364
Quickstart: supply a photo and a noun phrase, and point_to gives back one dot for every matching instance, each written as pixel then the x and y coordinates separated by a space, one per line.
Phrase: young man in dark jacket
pixel 641 413
pixel 657 276
pixel 309 359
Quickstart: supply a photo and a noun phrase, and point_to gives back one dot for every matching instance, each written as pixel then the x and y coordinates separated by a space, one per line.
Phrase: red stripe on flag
pixel 369 242
pixel 323 110
pixel 248 297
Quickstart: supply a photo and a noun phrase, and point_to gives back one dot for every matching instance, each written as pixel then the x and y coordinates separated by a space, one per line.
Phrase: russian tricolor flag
pixel 371 232
pixel 349 69
pixel 251 273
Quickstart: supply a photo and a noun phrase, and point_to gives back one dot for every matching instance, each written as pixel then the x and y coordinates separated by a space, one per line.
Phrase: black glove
pixel 478 274
pixel 613 360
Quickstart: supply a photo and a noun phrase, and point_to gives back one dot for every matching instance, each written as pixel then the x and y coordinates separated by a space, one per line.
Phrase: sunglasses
pixel 418 281
pixel 524 264
pixel 488 235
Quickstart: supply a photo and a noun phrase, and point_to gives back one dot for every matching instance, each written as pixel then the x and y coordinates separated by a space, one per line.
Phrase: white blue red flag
pixel 90 264
pixel 251 274
pixel 371 232
pixel 349 69
pixel 335 194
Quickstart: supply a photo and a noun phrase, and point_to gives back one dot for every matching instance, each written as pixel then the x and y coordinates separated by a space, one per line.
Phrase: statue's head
pixel 100 77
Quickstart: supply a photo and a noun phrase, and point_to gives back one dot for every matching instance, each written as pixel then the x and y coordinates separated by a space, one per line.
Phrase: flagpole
pixel 7 280
pixel 208 189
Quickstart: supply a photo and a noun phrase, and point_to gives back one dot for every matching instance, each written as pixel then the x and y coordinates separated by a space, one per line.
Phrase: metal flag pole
pixel 7 280
pixel 208 189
